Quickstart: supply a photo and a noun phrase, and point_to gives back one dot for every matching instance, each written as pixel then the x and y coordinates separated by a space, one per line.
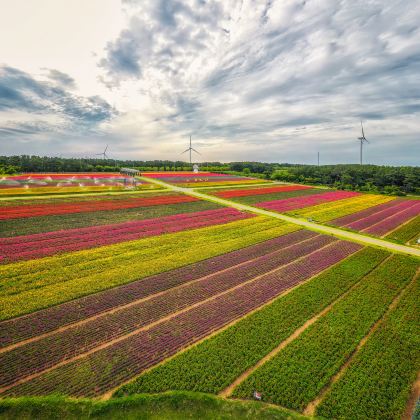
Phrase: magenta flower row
pixel 294 203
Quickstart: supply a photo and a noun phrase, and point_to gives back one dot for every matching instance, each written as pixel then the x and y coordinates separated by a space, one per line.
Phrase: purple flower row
pixel 107 368
pixel 288 204
pixel 394 221
pixel 46 320
pixel 353 217
pixel 32 357
pixel 380 215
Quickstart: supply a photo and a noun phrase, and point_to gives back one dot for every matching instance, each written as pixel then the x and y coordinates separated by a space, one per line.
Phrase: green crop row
pixel 377 383
pixel 215 363
pixel 328 211
pixel 407 232
pixel 297 374
pixel 24 226
pixel 31 285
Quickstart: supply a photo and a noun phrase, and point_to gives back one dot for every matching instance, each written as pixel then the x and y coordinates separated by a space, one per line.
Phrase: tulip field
pixel 123 292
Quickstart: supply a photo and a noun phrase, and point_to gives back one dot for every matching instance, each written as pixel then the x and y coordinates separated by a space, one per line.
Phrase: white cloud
pixel 268 80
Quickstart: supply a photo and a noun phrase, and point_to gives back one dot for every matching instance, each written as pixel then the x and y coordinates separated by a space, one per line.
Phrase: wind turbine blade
pixel 195 151
pixel 106 148
pixel 363 133
pixel 184 151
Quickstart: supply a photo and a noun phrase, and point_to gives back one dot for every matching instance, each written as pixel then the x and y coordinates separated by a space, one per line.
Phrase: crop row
pixel 45 244
pixel 77 175
pixel 221 183
pixel 85 206
pixel 390 223
pixel 20 227
pixel 201 178
pixel 305 201
pixel 259 191
pixel 31 358
pixel 327 211
pixel 36 284
pixel 110 366
pixel 374 218
pixel 407 232
pixel 377 383
pixel 214 364
pixel 295 376
pixel 353 217
pixel 49 319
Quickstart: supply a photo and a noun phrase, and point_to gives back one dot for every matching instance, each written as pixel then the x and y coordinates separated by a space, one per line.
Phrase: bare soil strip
pixel 411 403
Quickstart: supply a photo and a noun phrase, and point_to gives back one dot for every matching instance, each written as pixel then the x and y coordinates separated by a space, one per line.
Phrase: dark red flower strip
pixel 32 358
pixel 394 221
pixel 260 191
pixel 374 218
pixel 306 201
pixel 105 369
pixel 49 319
pixel 17 212
pixel 353 217
pixel 52 243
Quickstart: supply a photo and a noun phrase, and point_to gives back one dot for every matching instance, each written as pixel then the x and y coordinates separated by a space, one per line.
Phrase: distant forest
pixel 395 180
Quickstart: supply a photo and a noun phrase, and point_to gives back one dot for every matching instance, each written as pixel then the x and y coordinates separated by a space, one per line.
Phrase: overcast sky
pixel 273 81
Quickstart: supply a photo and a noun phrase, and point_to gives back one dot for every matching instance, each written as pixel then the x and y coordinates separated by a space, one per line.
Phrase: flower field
pixel 201 179
pixel 70 183
pixel 134 292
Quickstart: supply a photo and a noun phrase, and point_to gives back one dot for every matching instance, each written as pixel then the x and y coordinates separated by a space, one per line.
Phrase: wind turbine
pixel 190 149
pixel 105 156
pixel 362 140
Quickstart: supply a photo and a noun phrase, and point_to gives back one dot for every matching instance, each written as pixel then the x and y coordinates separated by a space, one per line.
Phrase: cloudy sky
pixel 273 80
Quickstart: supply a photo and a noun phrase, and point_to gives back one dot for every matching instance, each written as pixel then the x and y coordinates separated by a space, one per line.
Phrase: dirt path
pixel 342 234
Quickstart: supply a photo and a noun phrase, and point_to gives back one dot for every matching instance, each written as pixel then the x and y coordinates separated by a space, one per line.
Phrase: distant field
pixel 133 293
pixel 201 179
pixel 70 183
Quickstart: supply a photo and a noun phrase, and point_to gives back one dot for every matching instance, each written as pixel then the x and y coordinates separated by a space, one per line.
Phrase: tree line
pixel 398 180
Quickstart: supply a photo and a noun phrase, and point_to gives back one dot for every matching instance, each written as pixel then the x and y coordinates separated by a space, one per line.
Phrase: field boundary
pixel 339 233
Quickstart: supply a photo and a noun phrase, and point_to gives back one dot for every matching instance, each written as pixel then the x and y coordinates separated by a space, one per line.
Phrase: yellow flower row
pixel 340 208
pixel 31 285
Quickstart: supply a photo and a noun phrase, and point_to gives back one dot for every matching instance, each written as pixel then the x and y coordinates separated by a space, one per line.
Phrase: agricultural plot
pixel 115 295
pixel 39 184
pixel 202 179
pixel 382 219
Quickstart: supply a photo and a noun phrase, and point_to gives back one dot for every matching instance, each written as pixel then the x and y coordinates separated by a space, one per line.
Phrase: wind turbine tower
pixel 362 140
pixel 190 149
pixel 105 156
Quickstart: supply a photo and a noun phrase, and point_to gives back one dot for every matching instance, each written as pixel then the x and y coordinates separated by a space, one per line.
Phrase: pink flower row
pixel 294 203
pixel 50 243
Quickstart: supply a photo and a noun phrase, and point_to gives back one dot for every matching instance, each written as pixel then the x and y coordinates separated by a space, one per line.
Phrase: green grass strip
pixel 406 233
pixel 296 375
pixel 28 226
pixel 215 363
pixel 377 383
pixel 168 406
pixel 31 285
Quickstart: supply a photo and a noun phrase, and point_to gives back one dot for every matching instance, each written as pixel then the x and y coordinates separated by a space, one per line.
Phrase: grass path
pixel 343 234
